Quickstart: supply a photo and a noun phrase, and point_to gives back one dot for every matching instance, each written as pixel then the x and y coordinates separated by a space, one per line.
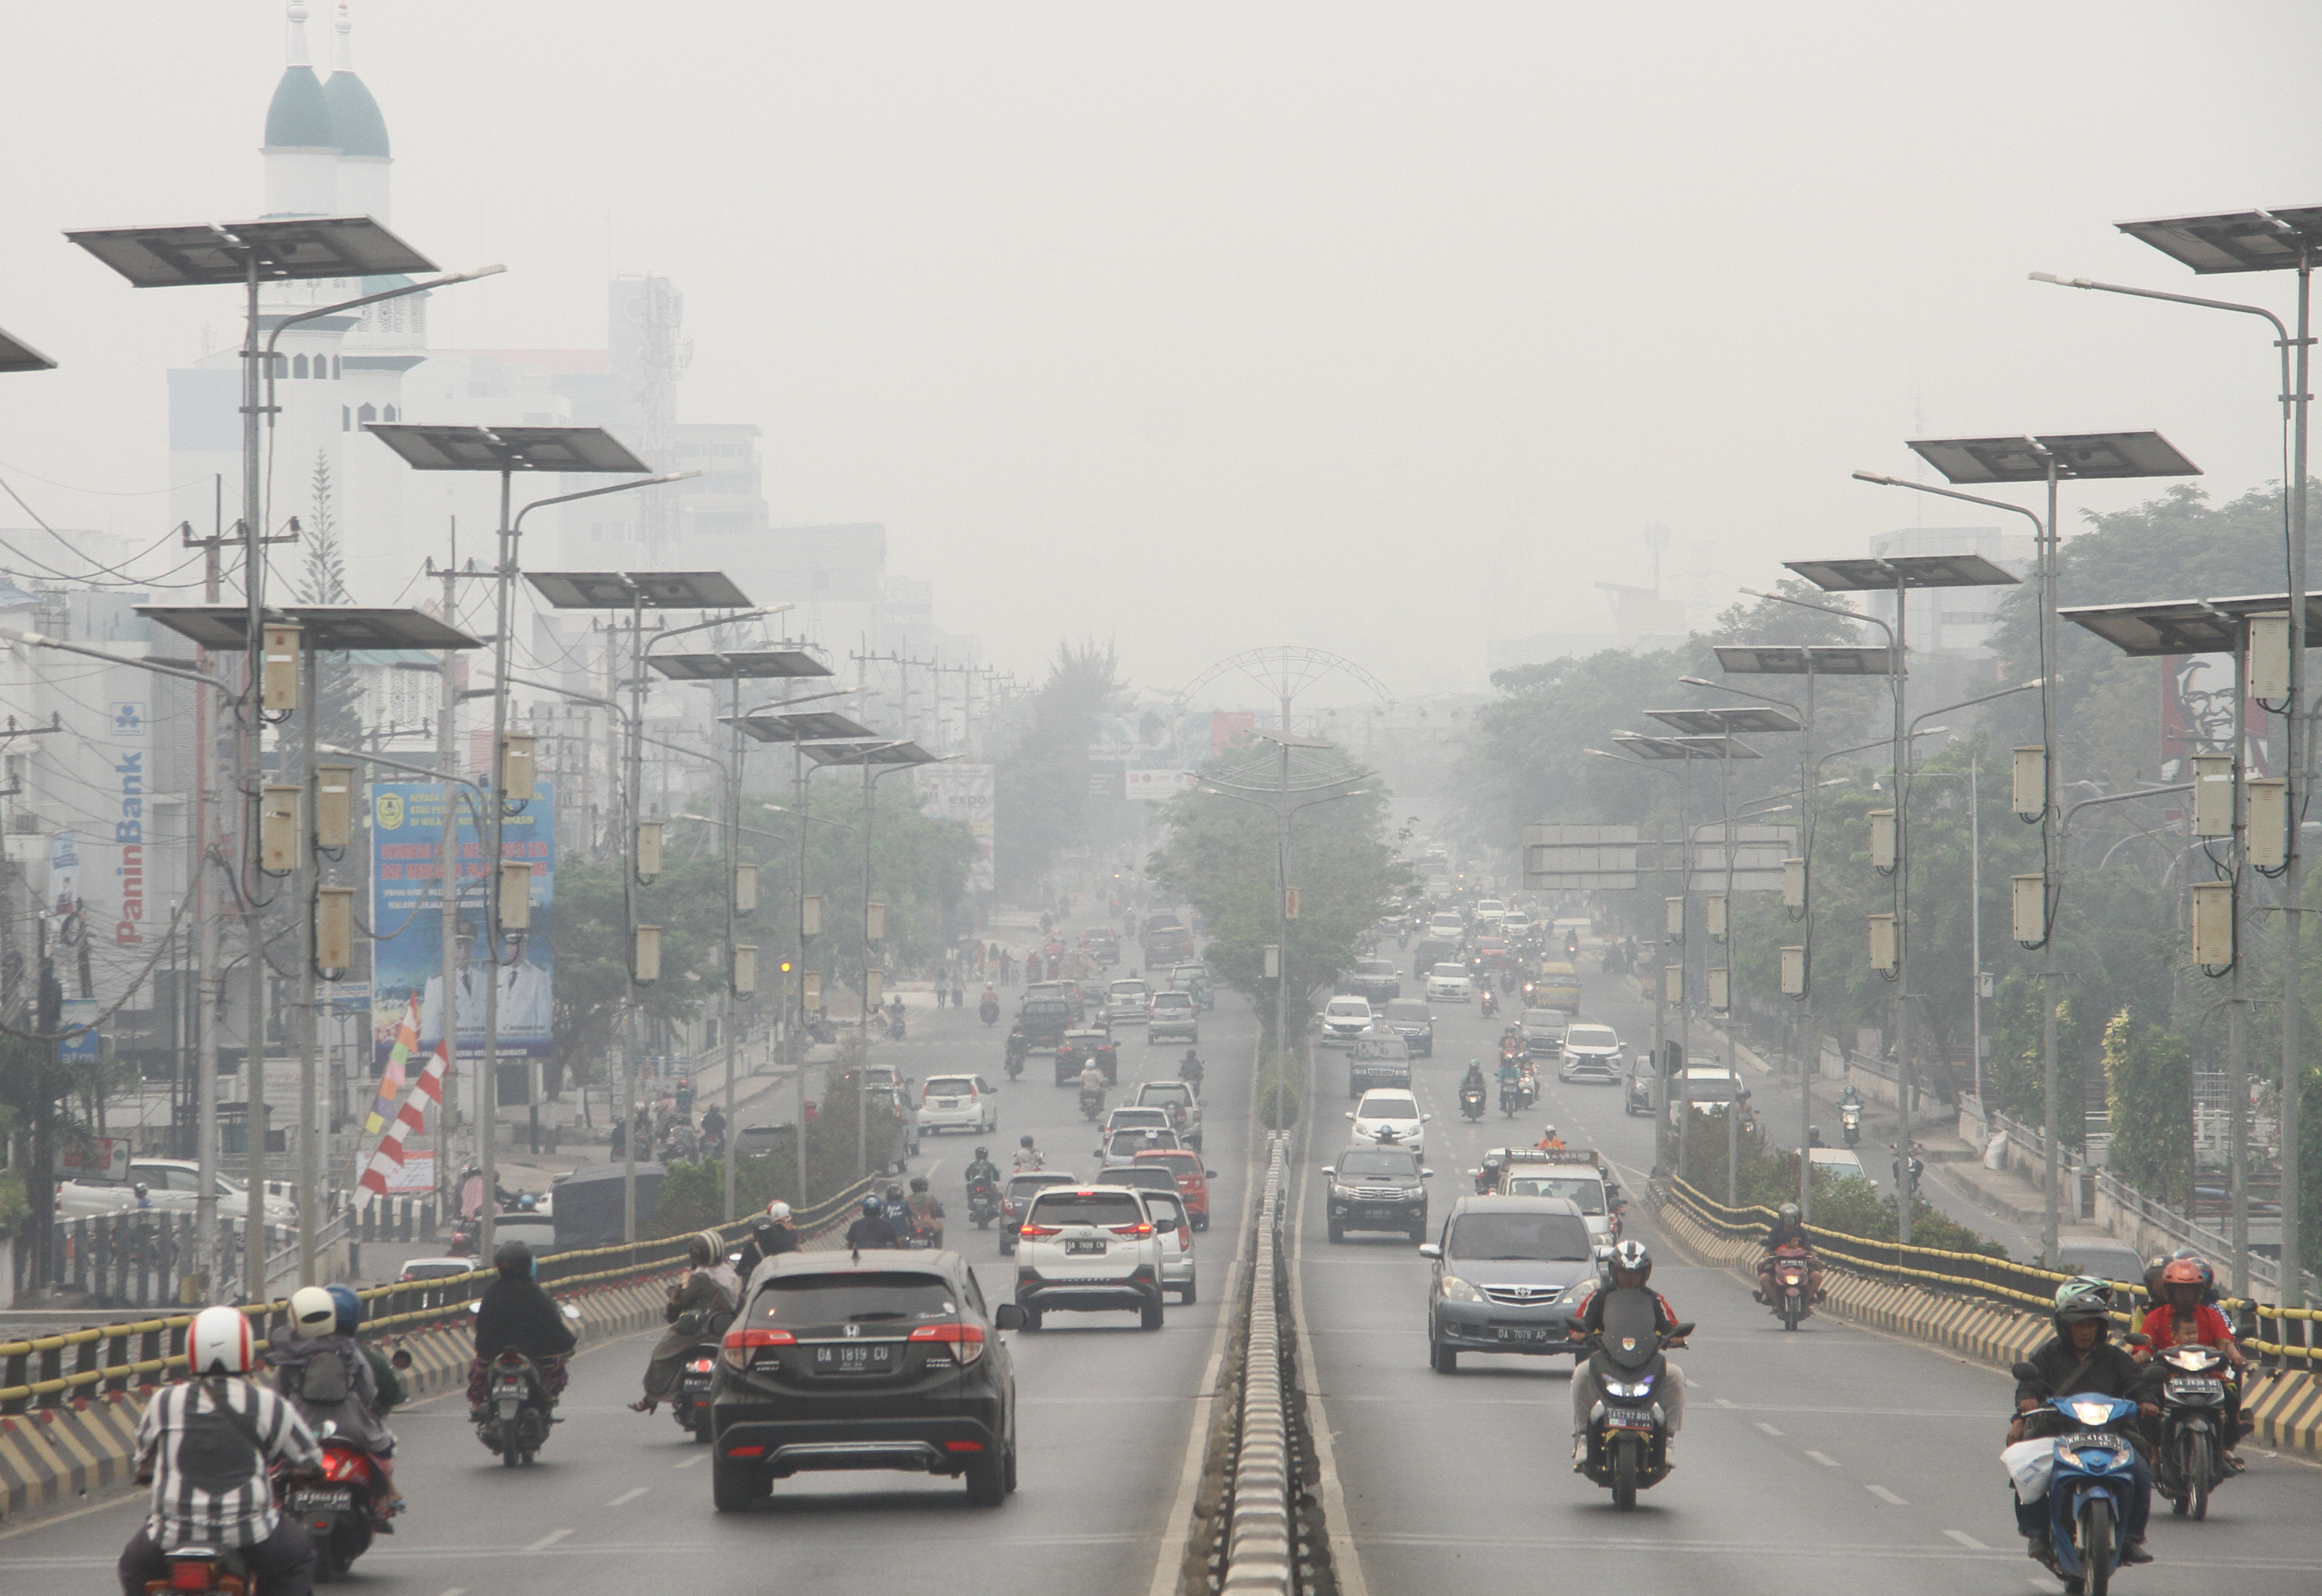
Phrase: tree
pixel 2149 1090
pixel 338 706
pixel 1220 856
pixel 1041 804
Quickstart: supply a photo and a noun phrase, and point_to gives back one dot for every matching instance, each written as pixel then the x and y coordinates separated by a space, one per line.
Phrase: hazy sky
pixel 1382 328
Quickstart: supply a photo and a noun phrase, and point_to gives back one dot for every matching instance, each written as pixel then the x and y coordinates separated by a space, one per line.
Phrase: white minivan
pixel 958 1102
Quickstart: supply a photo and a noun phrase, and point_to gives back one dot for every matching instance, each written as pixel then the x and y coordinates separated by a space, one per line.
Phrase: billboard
pixel 405 914
pixel 1759 851
pixel 1560 857
pixel 2197 715
pixel 963 793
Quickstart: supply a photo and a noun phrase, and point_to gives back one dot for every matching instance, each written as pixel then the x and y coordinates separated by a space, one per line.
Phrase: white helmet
pixel 313 1313
pixel 779 1211
pixel 218 1343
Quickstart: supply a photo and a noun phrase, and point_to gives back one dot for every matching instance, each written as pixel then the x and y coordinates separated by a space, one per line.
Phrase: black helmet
pixel 894 1192
pixel 766 1226
pixel 919 1182
pixel 513 1258
pixel 1788 1214
pixel 1631 1258
pixel 2083 1300
pixel 983 1151
pixel 1023 1141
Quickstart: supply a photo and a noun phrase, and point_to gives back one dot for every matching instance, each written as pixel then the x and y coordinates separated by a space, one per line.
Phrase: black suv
pixel 1409 1018
pixel 890 1361
pixel 1377 1188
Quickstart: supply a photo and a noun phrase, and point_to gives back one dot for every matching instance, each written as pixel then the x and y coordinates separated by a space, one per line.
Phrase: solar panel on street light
pixel 2184 627
pixel 2080 456
pixel 812 725
pixel 1715 722
pixel 1909 571
pixel 872 753
pixel 760 662
pixel 222 253
pixel 652 590
pixel 16 355
pixel 327 628
pixel 1820 658
pixel 571 449
pixel 2234 241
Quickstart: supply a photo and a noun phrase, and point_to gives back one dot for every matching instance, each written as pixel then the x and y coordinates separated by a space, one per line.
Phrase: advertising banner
pixel 963 793
pixel 1155 787
pixel 2197 715
pixel 408 961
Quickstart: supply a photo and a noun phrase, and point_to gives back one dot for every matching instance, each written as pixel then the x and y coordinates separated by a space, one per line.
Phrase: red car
pixel 1193 1181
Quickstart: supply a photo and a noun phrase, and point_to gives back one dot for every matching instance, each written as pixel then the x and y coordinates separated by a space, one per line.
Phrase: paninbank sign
pixel 129 832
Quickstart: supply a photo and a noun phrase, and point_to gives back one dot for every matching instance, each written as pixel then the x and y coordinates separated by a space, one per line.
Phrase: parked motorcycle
pixel 1627 1436
pixel 1849 1123
pixel 1793 1286
pixel 2090 1488
pixel 1471 1101
pixel 2189 1462
pixel 341 1508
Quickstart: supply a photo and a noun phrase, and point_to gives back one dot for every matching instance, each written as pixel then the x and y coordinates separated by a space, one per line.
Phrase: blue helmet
pixel 872 1205
pixel 350 1307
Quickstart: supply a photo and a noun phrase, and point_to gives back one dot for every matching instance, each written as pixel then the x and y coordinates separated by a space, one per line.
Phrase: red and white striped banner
pixel 411 1120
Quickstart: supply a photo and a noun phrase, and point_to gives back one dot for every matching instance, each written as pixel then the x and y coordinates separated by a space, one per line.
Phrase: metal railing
pixel 52 1370
pixel 2291 1345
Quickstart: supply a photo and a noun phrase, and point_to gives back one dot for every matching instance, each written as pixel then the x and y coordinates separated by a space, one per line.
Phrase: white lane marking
pixel 456 1591
pixel 548 1540
pixel 1824 1459
pixel 689 1462
pixel 1971 1543
pixel 627 1497
pixel 1720 1401
pixel 1769 1428
pixel 1887 1496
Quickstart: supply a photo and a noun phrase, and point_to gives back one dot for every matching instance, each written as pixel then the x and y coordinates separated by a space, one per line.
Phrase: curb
pixel 58 1458
pixel 2286 1404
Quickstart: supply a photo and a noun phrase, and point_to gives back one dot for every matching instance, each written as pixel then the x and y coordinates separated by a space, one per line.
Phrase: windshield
pixel 1172 1000
pixel 951 1086
pixel 1164 1092
pixel 1460 970
pixel 1085 1208
pixel 1129 1142
pixel 1345 1005
pixel 1710 1088
pixel 1543 1238
pixel 888 1297
pixel 1374 967
pixel 1379 1105
pixel 1377 1162
pixel 1022 1187
pixel 1591 1036
pixel 1584 1194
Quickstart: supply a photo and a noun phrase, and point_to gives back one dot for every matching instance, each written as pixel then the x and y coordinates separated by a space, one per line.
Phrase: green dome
pixel 299 116
pixel 360 129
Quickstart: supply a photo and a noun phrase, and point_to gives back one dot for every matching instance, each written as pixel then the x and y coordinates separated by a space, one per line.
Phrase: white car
pixel 958 1102
pixel 1166 1209
pixel 1839 1162
pixel 1388 1117
pixel 1128 1003
pixel 1592 1054
pixel 1445 926
pixel 1450 983
pixel 1344 1019
pixel 173 1186
pixel 1089 1249
pixel 1514 924
pixel 1491 911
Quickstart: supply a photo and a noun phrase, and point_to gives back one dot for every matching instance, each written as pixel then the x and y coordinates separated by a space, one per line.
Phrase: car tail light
pixel 967 1340
pixel 190 1574
pixel 739 1344
pixel 1140 1229
pixel 745 1451
pixel 963 1445
pixel 1041 1231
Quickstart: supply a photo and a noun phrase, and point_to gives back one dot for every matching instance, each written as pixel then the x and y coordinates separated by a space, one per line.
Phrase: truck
pixel 1166 940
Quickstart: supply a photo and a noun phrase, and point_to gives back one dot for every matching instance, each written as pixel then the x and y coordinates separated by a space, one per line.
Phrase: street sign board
pixel 1559 857
pixel 1758 852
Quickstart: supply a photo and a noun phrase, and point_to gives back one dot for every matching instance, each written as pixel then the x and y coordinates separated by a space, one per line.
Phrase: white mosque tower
pixel 325 154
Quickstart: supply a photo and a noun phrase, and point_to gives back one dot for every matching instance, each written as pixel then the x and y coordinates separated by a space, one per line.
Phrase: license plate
pixel 1628 1418
pixel 1509 1333
pixel 875 1357
pixel 321 1501
pixel 1084 1248
pixel 2198 1387
pixel 946 1102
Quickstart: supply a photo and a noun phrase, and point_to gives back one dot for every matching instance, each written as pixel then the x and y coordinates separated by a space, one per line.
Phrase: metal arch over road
pixel 1286 670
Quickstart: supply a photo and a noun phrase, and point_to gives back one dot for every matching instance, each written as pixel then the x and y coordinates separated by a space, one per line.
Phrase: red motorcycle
pixel 1791 1280
pixel 342 1508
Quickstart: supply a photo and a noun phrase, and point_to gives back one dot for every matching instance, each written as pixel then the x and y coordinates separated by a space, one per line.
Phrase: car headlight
pixel 1455 1290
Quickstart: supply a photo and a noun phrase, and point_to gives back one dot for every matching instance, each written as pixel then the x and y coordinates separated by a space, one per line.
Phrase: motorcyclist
pixel 1814 1137
pixel 926 1213
pixel 326 1378
pixel 684 1096
pixel 713 1123
pixel 391 1391
pixel 983 1172
pixel 1473 1080
pixel 1788 1230
pixel 769 1237
pixel 2080 1357
pixel 871 1229
pixel 1510 1076
pixel 1027 1156
pixel 204 1444
pixel 1189 1069
pixel 895 1212
pixel 2183 1319
pixel 1491 1000
pixel 1629 1267
pixel 1549 1141
pixel 516 1316
pixel 1092 1083
pixel 697 1305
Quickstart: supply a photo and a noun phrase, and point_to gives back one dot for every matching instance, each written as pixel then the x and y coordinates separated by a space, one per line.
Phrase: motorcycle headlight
pixel 1635 1388
pixel 1455 1290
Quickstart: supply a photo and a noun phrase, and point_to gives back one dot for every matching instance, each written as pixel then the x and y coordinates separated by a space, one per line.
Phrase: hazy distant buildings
pixel 1640 620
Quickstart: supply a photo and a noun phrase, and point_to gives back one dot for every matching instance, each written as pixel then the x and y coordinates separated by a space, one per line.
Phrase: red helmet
pixel 2184 1272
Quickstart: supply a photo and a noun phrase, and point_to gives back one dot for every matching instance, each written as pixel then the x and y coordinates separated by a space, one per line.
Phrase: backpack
pixel 322 1378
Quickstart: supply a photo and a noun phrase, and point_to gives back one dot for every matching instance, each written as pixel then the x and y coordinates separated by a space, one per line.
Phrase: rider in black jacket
pixel 2081 1357
pixel 516 1314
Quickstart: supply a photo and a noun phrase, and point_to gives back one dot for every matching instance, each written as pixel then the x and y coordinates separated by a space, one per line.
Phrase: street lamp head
pixel 1882 481
pixel 2062 282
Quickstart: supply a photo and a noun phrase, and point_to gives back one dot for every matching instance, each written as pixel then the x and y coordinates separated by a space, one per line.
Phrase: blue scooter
pixel 2092 1490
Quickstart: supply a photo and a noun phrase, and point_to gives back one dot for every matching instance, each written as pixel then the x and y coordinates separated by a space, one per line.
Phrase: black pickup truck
pixel 1045 1020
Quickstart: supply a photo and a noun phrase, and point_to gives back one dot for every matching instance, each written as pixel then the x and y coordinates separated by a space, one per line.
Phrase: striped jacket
pixel 210 1484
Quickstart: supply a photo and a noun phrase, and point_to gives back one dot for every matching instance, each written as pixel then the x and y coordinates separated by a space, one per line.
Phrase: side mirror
pixel 1350 1113
pixel 1209 1174
pixel 570 1312
pixel 1424 1117
pixel 1428 1249
pixel 1329 1171
pixel 1679 1332
pixel 1427 1174
pixel 2026 1374
pixel 2138 1338
pixel 476 1305
pixel 1008 1316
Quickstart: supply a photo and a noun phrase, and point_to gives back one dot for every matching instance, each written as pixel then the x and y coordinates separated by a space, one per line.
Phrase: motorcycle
pixel 1627 1438
pixel 516 1418
pixel 713 1146
pixel 690 1405
pixel 2189 1462
pixel 1490 1003
pixel 984 1204
pixel 1471 1101
pixel 203 1570
pixel 2090 1488
pixel 1792 1281
pixel 1511 1099
pixel 1190 1072
pixel 989 1011
pixel 341 1509
pixel 1092 1104
pixel 895 1026
pixel 1016 1048
pixel 1850 1122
